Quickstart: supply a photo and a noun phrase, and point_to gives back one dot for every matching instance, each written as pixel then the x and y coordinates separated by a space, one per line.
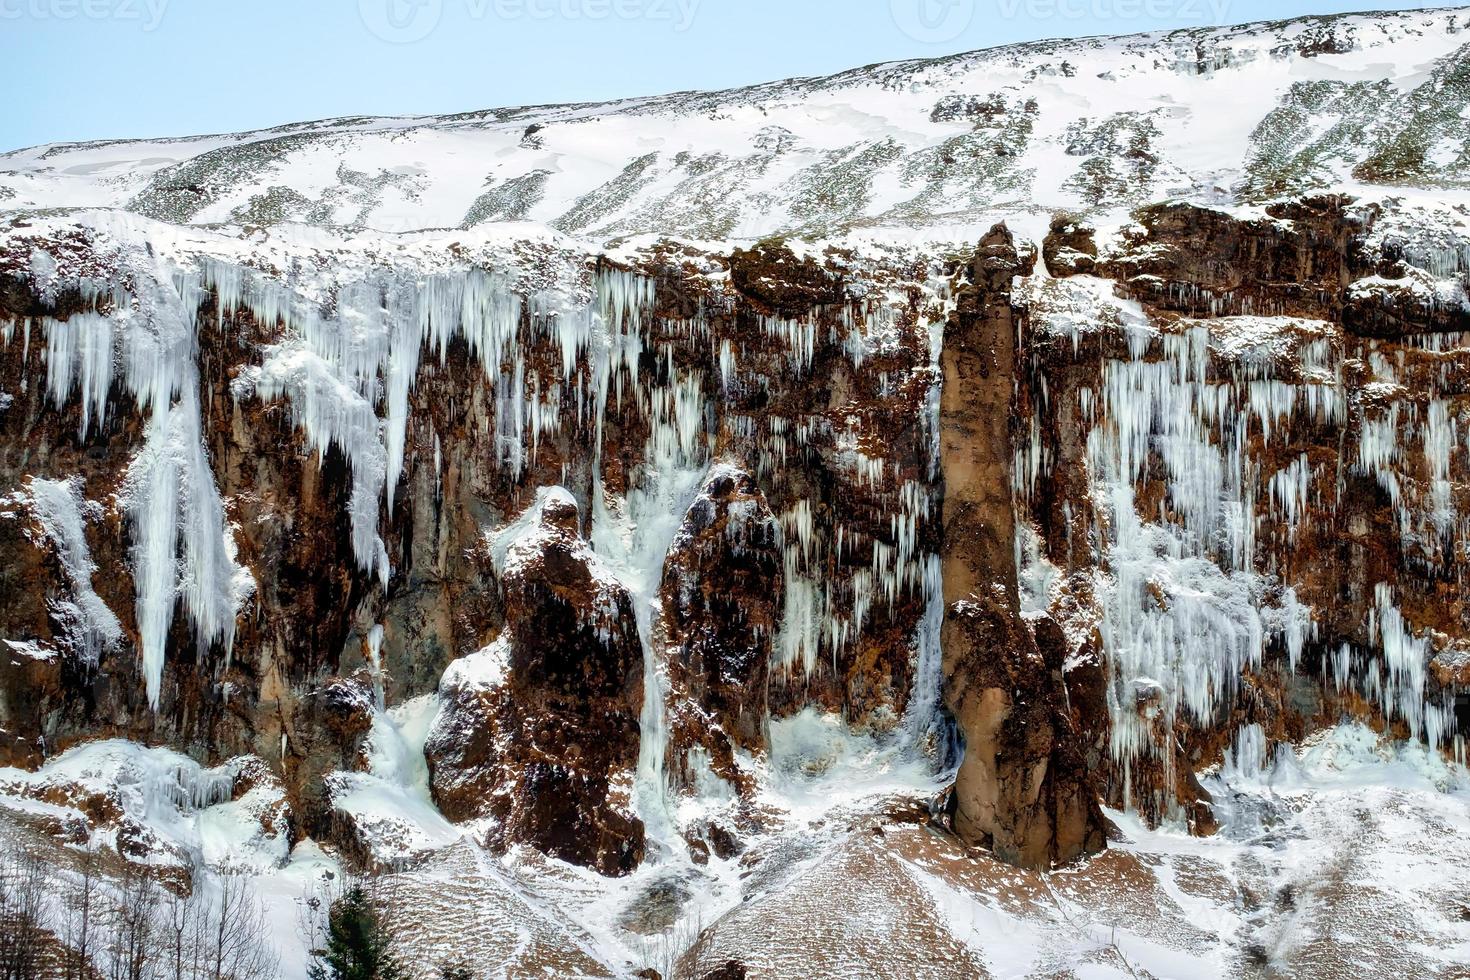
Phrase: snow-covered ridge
pixel 1219 115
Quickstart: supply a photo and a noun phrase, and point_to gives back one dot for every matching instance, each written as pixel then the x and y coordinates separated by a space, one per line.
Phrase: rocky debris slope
pixel 1333 860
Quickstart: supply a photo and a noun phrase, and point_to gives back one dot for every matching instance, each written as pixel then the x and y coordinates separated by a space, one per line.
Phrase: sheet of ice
pixel 390 805
pixel 61 511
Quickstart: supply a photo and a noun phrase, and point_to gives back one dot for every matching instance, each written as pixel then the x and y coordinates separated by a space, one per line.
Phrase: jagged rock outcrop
pixel 539 731
pixel 1201 261
pixel 1069 248
pixel 1022 788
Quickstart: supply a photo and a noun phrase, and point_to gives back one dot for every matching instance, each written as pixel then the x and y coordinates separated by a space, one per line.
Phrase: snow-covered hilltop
pixel 941 147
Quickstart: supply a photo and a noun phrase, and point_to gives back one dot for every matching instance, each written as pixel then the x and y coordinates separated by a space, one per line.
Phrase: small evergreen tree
pixel 455 971
pixel 357 943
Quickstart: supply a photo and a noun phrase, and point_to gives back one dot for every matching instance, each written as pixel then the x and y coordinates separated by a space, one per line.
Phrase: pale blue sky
pixel 95 69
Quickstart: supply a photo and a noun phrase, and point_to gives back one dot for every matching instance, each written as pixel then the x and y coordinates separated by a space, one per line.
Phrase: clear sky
pixel 96 69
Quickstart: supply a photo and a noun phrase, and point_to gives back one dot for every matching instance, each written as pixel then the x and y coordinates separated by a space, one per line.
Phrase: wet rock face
pixel 575 631
pixel 325 731
pixel 31 665
pixel 800 584
pixel 722 588
pixel 539 731
pixel 1313 519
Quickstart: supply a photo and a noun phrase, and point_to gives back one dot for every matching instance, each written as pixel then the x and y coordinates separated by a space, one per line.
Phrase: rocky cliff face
pixel 629 532
pixel 641 515
pixel 596 553
pixel 1272 493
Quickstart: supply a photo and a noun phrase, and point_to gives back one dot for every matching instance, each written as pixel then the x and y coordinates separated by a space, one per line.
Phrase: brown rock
pixel 540 730
pixel 1069 249
pixel 1022 788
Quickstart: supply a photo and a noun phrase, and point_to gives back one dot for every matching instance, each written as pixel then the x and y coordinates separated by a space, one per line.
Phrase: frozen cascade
pixel 375 665
pixel 336 369
pixel 633 536
pixel 1431 528
pixel 814 617
pixel 924 704
pixel 187 815
pixel 1187 653
pixel 821 616
pixel 1440 441
pixel 183 549
pixel 1186 605
pixel 392 801
pixel 331 414
pixel 143 321
pixel 1247 757
pixel 80 353
pixel 397 781
pixel 57 505
pixel 1402 691
pixel 344 355
pixel 803 613
pixel 924 715
pixel 637 543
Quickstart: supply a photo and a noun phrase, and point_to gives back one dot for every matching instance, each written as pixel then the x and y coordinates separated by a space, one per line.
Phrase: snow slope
pixel 1218 115
pixel 1343 857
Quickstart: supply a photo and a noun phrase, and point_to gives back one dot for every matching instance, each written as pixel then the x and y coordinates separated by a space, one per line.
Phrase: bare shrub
pixel 25 914
pixel 80 917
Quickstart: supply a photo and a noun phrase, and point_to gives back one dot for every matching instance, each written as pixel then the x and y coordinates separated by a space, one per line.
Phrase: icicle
pixel 1185 652
pixel 80 352
pixel 331 414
